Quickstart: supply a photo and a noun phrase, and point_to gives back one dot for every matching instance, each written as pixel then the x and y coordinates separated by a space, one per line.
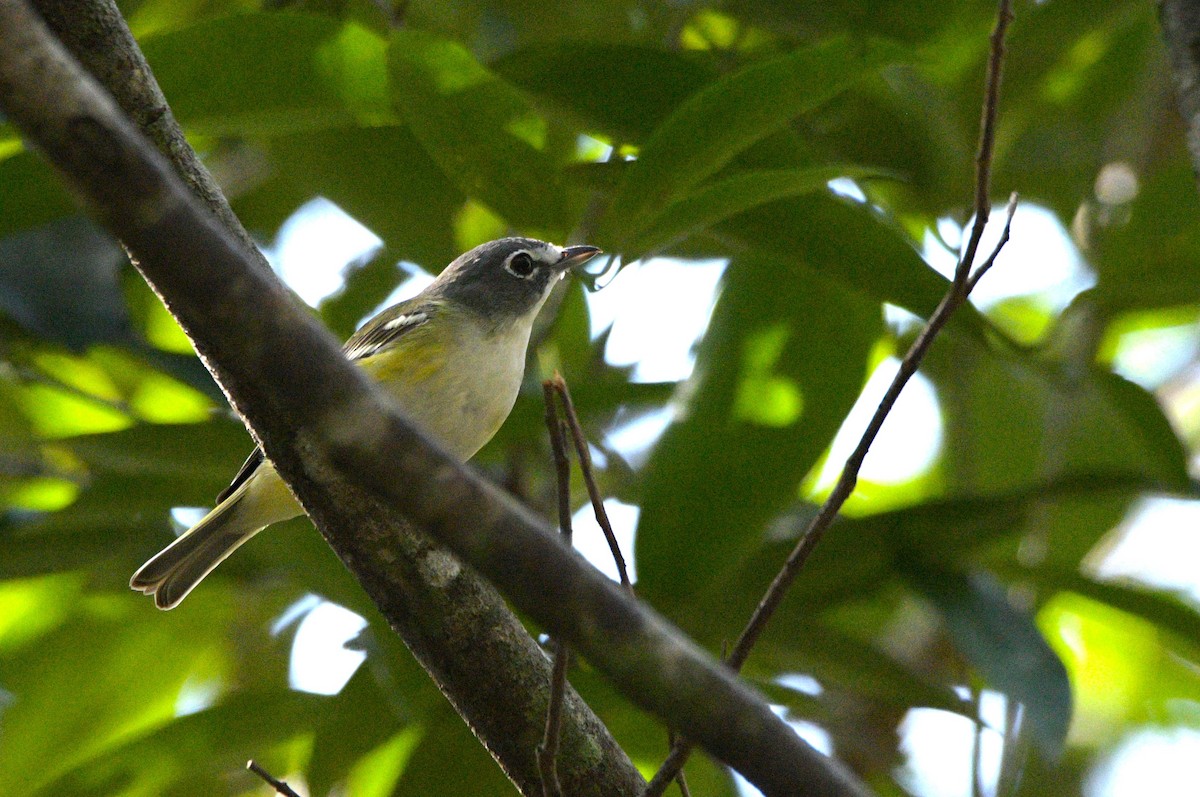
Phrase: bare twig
pixel 559 385
pixel 278 785
pixel 680 778
pixel 960 288
pixel 585 466
pixel 1004 235
pixel 562 464
pixel 547 752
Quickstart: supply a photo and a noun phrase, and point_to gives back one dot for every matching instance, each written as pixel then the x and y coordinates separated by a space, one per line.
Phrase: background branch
pixel 589 478
pixel 96 34
pixel 958 292
pixel 1180 20
pixel 322 423
pixel 548 750
pixel 280 786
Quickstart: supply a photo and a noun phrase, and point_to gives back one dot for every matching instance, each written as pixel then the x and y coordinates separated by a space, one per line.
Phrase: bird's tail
pixel 179 567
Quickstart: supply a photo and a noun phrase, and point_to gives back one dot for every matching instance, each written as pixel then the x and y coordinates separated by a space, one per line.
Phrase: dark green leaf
pixel 382 177
pixel 256 74
pixel 770 390
pixel 1147 255
pixel 727 116
pixel 360 719
pixel 447 739
pixel 33 194
pixel 1161 609
pixel 60 281
pixel 850 243
pixel 479 130
pixel 1004 645
pixel 200 753
pixel 724 198
pixel 622 90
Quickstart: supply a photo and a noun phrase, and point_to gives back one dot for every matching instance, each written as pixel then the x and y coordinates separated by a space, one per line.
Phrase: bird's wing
pixel 382 331
pixel 378 334
pixel 247 470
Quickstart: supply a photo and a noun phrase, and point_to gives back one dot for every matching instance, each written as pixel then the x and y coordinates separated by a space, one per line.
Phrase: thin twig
pixel 960 288
pixel 585 466
pixel 987 142
pixel 559 385
pixel 680 778
pixel 562 464
pixel 278 785
pixel 991 261
pixel 547 752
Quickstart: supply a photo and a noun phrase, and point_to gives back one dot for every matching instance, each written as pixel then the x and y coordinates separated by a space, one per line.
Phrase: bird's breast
pixel 461 388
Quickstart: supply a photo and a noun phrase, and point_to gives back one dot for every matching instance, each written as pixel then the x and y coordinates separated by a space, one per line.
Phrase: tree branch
pixel 280 786
pixel 454 622
pixel 1180 20
pixel 548 751
pixel 96 34
pixel 327 428
pixel 958 292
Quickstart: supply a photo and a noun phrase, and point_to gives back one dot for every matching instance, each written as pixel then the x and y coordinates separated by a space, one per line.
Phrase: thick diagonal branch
pixel 326 427
pixel 455 623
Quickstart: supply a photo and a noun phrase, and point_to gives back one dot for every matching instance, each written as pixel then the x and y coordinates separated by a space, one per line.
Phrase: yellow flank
pixel 411 364
pixel 463 406
pixel 265 499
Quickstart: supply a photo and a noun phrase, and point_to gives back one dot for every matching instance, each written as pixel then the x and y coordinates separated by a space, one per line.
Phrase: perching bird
pixel 452 357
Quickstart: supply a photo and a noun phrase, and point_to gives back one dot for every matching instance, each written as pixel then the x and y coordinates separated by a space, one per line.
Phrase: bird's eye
pixel 520 264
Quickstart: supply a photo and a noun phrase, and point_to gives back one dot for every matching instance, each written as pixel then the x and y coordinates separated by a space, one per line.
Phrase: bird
pixel 452 358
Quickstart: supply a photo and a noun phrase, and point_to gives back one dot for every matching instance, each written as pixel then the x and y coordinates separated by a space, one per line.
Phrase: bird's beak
pixel 573 256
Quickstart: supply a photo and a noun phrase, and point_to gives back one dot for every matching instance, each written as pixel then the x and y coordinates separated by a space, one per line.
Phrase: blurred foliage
pixel 476 118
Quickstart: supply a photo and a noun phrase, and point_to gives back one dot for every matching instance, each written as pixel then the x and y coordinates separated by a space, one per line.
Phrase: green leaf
pixel 381 176
pixel 259 73
pixel 849 242
pixel 720 200
pixel 33 194
pixel 199 753
pixel 359 719
pixel 769 391
pixel 1147 255
pixel 479 130
pixel 623 90
pixel 1004 645
pixel 1012 406
pixel 86 675
pixel 447 739
pixel 1164 610
pixel 727 116
pixel 846 664
pixel 111 526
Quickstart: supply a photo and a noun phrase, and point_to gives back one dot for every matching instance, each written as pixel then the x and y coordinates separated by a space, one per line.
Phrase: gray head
pixel 508 279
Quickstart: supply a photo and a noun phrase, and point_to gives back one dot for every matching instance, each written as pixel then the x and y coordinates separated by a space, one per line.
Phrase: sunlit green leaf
pixel 478 129
pixel 723 119
pixel 255 74
pixel 722 199
pixel 770 387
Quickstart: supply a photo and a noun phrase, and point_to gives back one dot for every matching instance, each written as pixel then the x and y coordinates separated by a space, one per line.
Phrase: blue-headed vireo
pixel 452 357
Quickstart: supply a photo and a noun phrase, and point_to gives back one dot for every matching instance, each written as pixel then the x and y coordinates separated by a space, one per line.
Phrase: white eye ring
pixel 520 264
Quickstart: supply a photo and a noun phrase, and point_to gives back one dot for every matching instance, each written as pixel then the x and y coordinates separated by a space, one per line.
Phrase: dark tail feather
pixel 179 567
